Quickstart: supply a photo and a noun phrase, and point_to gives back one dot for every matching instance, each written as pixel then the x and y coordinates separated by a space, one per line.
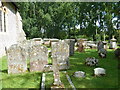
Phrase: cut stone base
pixel 54 87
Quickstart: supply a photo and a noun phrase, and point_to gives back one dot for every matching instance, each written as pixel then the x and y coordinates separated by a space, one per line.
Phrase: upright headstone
pixel 62 50
pixel 80 46
pixel 71 43
pixel 100 45
pixel 38 57
pixel 16 59
pixel 113 44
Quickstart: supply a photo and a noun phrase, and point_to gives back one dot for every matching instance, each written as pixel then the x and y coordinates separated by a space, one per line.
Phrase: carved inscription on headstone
pixel 16 59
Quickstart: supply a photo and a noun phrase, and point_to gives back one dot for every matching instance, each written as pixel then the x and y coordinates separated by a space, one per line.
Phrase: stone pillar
pixel 105 44
pixel 113 44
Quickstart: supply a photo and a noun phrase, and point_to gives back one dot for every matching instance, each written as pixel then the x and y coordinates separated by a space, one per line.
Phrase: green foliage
pixel 52 19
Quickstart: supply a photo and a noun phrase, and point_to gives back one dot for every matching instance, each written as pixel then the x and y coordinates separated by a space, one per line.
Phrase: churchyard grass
pixel 110 80
pixel 33 79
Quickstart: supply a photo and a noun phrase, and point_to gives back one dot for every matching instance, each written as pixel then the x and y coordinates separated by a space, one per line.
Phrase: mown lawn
pixel 33 79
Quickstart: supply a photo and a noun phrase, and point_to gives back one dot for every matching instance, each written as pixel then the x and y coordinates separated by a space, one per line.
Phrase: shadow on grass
pixel 4 71
pixel 110 64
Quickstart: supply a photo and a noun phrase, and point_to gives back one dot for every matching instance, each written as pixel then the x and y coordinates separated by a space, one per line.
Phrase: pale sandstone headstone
pixel 38 57
pixel 16 59
pixel 62 50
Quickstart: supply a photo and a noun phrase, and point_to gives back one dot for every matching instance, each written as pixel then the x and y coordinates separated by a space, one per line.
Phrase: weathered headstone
pixel 100 45
pixel 80 46
pixel 57 82
pixel 62 50
pixel 71 43
pixel 38 57
pixel 101 51
pixel 16 59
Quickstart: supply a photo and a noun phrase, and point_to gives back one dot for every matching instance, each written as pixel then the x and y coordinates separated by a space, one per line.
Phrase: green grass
pixel 26 80
pixel 33 79
pixel 110 64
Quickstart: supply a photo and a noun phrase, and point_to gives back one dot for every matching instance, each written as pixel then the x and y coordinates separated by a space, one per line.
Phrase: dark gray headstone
pixel 71 43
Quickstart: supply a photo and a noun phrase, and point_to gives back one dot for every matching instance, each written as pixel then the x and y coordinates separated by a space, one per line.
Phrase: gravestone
pixel 80 46
pixel 71 43
pixel 16 59
pixel 100 45
pixel 101 51
pixel 56 75
pixel 38 57
pixel 57 82
pixel 62 50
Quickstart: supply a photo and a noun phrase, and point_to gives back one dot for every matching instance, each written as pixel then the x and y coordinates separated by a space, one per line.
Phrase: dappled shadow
pixel 77 63
pixel 4 71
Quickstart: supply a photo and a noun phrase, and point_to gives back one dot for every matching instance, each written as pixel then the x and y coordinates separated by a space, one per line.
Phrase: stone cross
pixel 16 59
pixel 56 73
pixel 38 57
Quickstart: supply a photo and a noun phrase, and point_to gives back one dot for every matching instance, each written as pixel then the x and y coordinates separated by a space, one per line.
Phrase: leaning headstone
pixel 38 57
pixel 113 44
pixel 16 59
pixel 57 82
pixel 71 43
pixel 62 50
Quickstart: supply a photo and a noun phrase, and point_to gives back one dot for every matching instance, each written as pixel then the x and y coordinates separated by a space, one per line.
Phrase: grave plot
pixel 49 79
